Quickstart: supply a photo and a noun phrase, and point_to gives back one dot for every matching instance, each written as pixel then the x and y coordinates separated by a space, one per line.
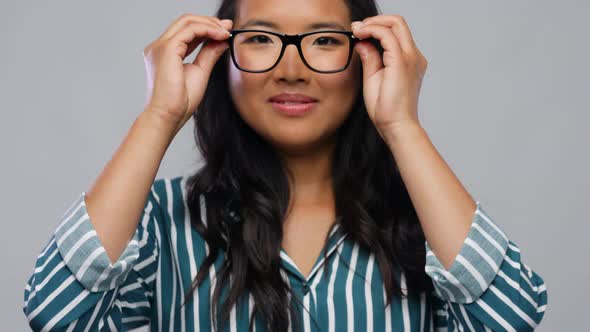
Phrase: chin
pixel 294 139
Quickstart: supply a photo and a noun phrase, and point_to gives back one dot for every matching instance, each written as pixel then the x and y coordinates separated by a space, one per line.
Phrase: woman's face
pixel 334 93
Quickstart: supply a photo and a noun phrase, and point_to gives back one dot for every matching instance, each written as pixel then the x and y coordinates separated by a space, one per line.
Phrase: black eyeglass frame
pixel 295 40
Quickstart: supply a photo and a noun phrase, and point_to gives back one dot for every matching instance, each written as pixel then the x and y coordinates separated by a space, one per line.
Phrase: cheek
pixel 245 88
pixel 238 85
pixel 246 92
pixel 340 89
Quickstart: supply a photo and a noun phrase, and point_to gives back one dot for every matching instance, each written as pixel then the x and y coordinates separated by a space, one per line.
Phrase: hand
pixel 391 84
pixel 175 89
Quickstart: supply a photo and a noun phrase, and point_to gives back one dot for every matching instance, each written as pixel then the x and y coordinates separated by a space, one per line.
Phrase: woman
pixel 321 206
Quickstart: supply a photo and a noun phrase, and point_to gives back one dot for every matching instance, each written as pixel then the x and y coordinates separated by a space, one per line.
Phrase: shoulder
pixel 170 223
pixel 168 199
pixel 168 191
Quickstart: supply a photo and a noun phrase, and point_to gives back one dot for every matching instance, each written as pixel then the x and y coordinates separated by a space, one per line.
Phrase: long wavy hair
pixel 245 186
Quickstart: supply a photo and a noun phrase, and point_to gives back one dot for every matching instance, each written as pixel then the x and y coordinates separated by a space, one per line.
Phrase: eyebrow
pixel 312 26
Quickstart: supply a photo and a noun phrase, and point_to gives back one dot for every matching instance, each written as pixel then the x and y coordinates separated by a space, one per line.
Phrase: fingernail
pixel 226 22
pixel 356 25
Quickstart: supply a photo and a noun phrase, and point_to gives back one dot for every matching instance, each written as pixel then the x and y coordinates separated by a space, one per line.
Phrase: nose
pixel 291 68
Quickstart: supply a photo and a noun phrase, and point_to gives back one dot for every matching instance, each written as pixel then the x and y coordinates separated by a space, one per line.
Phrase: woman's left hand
pixel 391 84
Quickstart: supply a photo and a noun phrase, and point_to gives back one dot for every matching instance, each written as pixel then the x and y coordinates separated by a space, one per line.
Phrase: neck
pixel 310 174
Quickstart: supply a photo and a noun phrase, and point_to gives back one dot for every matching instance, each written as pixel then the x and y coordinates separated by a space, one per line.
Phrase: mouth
pixel 293 108
pixel 293 104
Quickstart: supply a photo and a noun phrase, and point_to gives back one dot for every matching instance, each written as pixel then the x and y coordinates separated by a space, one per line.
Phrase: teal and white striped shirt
pixel 75 287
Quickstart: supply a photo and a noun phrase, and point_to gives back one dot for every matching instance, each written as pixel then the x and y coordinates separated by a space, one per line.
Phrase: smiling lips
pixel 293 104
pixel 292 98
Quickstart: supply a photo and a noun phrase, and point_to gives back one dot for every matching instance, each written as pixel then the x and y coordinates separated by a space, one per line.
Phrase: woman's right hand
pixel 175 89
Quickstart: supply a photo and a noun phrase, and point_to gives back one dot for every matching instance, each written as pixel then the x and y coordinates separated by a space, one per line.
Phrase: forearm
pixel 444 207
pixel 117 198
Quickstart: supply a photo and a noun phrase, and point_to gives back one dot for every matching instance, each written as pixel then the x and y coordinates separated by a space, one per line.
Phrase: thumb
pixel 370 58
pixel 209 54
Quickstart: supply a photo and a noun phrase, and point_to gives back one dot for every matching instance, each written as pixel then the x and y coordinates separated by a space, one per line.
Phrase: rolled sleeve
pixel 84 254
pixel 476 265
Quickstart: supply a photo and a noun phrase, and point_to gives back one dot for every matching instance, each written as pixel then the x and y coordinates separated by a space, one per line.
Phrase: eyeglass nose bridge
pixel 287 40
pixel 292 40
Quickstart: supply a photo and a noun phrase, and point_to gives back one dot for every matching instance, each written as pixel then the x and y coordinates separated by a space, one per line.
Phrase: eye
pixel 326 41
pixel 259 39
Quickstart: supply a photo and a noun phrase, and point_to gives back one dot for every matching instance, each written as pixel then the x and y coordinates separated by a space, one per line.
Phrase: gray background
pixel 504 100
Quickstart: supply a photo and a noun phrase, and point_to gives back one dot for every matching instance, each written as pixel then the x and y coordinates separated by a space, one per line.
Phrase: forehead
pixel 292 15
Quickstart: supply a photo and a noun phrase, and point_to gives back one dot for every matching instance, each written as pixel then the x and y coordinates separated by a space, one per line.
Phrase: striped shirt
pixel 75 286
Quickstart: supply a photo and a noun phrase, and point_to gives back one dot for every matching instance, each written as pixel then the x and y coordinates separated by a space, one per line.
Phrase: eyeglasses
pixel 258 51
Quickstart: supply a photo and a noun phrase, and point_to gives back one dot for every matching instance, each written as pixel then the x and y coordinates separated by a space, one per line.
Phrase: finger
pixel 385 36
pixel 192 44
pixel 199 31
pixel 209 54
pixel 227 24
pixel 400 28
pixel 185 19
pixel 370 58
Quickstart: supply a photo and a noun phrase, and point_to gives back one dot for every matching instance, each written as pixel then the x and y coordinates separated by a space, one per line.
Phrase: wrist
pixel 161 120
pixel 402 132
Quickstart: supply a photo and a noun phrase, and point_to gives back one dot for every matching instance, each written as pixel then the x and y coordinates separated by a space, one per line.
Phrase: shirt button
pixel 305 288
